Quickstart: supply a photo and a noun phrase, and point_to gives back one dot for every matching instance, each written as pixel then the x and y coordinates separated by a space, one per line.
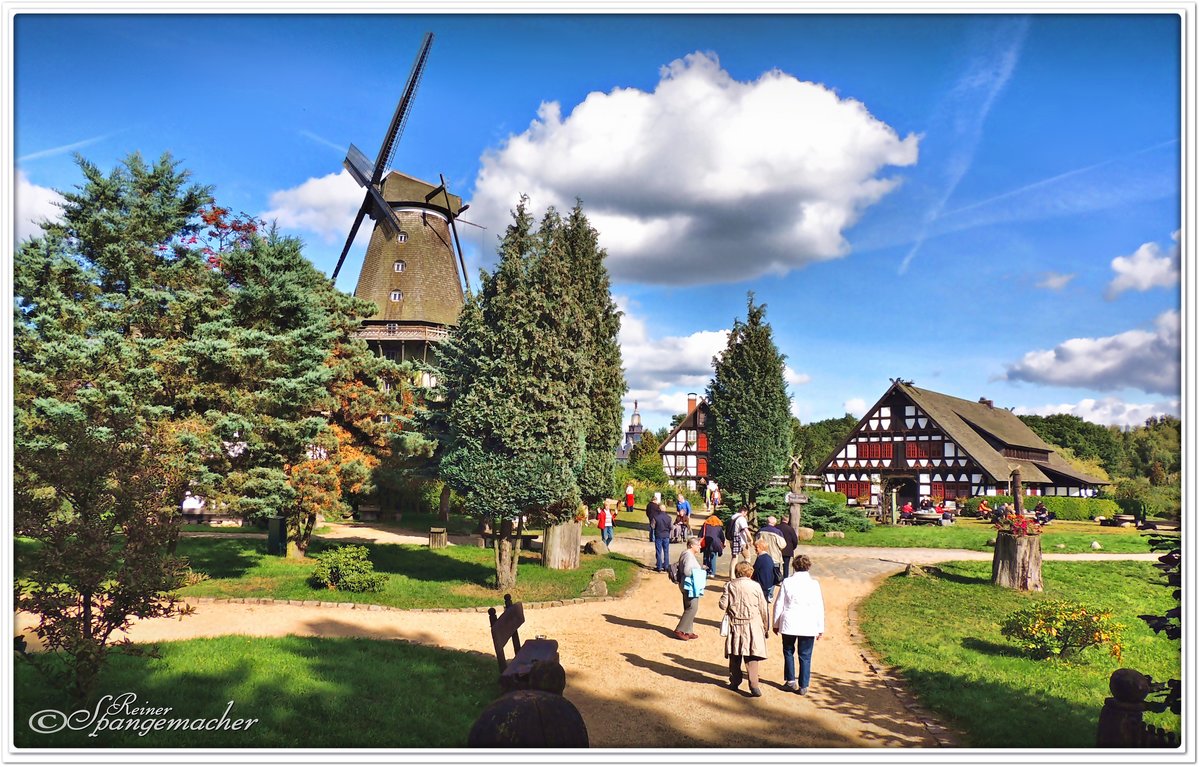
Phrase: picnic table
pixel 927 518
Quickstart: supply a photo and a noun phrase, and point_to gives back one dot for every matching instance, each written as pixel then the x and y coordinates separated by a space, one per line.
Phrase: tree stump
pixel 437 537
pixel 1017 562
pixel 560 546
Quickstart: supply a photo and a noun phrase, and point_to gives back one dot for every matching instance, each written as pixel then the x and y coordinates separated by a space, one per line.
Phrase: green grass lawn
pixel 456 576
pixel 943 634
pixel 973 535
pixel 306 692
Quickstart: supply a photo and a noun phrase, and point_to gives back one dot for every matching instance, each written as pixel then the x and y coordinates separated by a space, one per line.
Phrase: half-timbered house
pixel 923 443
pixel 685 450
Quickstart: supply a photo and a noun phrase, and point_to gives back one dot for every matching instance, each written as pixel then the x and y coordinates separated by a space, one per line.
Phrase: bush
pixel 1063 507
pixel 822 516
pixel 837 499
pixel 1063 628
pixel 347 568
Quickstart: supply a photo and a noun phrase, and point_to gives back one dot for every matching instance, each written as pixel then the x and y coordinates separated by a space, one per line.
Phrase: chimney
pixel 691 401
pixel 985 401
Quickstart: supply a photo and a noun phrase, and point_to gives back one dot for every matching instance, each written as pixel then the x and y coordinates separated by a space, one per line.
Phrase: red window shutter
pixel 702 443
pixel 702 464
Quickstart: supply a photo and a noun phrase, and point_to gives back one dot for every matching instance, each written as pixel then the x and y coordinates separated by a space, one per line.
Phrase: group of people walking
pixel 757 567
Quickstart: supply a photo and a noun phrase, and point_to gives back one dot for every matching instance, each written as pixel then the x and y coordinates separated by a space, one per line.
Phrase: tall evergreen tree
pixel 101 458
pixel 514 375
pixel 602 352
pixel 750 426
pixel 162 346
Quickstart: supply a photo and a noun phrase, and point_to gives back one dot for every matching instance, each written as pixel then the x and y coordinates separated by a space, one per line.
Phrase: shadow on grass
pixel 305 692
pixel 423 564
pixel 222 558
pixel 992 648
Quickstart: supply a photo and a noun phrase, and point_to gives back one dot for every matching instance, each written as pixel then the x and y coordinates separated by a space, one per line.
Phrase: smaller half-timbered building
pixel 930 444
pixel 685 450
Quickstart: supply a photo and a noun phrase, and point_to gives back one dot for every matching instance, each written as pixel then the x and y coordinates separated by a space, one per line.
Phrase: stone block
pixel 835 534
pixel 805 533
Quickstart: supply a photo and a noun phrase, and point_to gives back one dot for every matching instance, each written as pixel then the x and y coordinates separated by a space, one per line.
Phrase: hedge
pixel 1063 507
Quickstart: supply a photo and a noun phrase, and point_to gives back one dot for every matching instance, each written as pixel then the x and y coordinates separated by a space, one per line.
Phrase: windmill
pixel 410 271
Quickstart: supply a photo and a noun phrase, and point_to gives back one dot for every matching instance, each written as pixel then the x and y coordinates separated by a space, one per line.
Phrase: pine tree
pixel 101 457
pixel 602 352
pixel 511 376
pixel 750 425
pixel 162 346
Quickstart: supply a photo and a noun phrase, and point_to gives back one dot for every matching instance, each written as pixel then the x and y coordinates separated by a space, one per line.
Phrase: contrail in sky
pixel 977 88
pixel 64 148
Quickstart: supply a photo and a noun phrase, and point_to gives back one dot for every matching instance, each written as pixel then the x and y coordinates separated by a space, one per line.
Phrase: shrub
pixel 837 499
pixel 1063 628
pixel 822 516
pixel 347 568
pixel 1064 507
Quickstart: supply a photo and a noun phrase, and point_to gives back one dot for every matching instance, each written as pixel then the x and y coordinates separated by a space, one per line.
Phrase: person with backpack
pixel 712 542
pixel 691 579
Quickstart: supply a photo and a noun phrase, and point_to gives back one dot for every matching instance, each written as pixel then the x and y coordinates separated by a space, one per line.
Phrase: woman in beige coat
pixel 749 625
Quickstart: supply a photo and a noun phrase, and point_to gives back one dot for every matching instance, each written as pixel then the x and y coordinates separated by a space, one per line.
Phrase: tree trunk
pixel 1017 562
pixel 560 546
pixel 300 536
pixel 444 504
pixel 508 553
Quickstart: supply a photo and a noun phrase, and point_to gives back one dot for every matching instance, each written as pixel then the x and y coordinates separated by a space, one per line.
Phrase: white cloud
pixel 1149 267
pixel 704 179
pixel 855 406
pixel 1107 411
pixel 325 206
pixel 1054 281
pixel 33 204
pixel 794 378
pixel 1141 359
pixel 662 370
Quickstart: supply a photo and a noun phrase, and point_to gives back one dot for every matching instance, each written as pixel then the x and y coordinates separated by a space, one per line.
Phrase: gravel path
pixel 634 683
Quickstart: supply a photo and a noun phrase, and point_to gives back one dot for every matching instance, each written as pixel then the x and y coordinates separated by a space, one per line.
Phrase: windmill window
pixel 392 327
pixel 401 237
pixel 398 266
pixel 396 296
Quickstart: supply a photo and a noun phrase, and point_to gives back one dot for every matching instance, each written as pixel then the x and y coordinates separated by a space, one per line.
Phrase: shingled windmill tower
pixel 410 272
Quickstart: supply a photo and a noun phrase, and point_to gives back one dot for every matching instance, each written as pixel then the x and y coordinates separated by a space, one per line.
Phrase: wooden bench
pixel 514 675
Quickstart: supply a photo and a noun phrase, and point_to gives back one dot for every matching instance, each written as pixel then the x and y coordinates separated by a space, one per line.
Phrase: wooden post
pixel 1014 487
pixel 1017 562
pixel 437 537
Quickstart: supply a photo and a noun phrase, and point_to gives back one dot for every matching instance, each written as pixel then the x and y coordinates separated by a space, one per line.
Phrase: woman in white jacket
pixel 800 617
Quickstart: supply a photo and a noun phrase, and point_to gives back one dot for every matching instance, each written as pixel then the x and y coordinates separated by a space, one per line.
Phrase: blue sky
pixel 988 205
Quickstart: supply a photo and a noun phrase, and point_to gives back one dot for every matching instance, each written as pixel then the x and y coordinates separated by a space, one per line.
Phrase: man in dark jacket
pixel 652 508
pixel 660 529
pixel 791 541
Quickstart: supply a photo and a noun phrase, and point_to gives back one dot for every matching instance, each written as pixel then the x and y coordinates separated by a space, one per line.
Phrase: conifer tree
pixel 512 374
pixel 602 350
pixel 101 458
pixel 750 426
pixel 162 346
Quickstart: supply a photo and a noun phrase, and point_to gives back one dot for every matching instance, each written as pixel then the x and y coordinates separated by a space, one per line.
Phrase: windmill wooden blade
pixel 359 166
pixel 403 109
pixel 362 211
